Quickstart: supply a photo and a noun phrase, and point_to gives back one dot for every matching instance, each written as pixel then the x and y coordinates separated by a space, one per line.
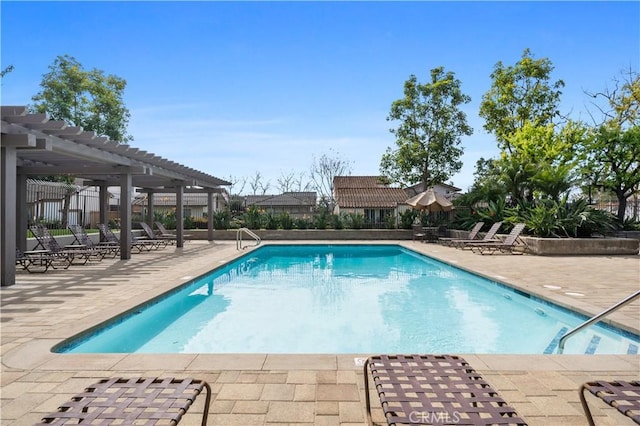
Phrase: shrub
pixel 321 220
pixel 253 218
pixel 550 218
pixel 271 221
pixel 407 217
pixel 630 225
pixel 390 221
pixel 337 221
pixel 302 223
pixel 356 220
pixel 221 219
pixel 285 221
pixel 197 223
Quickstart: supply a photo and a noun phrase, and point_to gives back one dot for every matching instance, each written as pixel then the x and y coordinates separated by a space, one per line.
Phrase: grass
pixel 61 232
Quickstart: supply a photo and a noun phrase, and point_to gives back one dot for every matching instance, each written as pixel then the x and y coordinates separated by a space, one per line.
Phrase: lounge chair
pixel 470 237
pixel 128 401
pixel 151 244
pixel 418 232
pixel 81 237
pixel 490 236
pixel 70 253
pixel 37 260
pixel 509 244
pixel 150 235
pixel 434 389
pixel 108 235
pixel 164 233
pixel 622 395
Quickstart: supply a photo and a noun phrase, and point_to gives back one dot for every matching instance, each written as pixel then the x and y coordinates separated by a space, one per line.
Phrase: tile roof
pixel 285 199
pixel 357 182
pixel 366 192
pixel 370 197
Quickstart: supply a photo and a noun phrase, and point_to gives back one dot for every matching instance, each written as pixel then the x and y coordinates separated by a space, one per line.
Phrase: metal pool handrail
pixel 597 318
pixel 248 232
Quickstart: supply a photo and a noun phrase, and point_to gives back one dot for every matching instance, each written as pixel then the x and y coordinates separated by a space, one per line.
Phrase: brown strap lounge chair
pixel 123 401
pixel 510 243
pixel 473 234
pixel 434 389
pixel 72 253
pixel 81 237
pixel 108 235
pixel 151 236
pixel 490 236
pixel 164 233
pixel 622 395
pixel 36 260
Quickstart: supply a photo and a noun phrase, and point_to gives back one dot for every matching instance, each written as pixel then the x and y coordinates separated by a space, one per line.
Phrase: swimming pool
pixel 345 299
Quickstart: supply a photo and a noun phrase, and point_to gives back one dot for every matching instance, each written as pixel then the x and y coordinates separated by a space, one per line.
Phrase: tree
pixel 519 94
pixel 6 71
pixel 541 161
pixel 612 156
pixel 89 99
pixel 257 184
pixel 429 134
pixel 237 184
pixel 291 182
pixel 323 170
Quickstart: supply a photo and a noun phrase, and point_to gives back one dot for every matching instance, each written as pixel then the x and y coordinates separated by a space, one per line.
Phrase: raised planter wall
pixel 537 246
pixel 310 234
pixel 582 246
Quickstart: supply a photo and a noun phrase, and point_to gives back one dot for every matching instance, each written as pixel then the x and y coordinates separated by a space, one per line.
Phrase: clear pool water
pixel 346 299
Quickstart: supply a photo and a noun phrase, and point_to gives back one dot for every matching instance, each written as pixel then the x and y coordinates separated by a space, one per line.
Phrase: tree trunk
pixel 622 206
pixel 65 208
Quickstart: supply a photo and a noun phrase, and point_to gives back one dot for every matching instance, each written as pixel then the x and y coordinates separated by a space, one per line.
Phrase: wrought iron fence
pixel 632 211
pixel 59 204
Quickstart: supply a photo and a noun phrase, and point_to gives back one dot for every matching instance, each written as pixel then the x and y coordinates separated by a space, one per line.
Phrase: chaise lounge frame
pixel 434 389
pixel 489 237
pixel 509 245
pixel 128 401
pixel 622 395
pixel 472 236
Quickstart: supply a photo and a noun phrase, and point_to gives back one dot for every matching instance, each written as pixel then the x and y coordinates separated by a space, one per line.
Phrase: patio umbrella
pixel 430 201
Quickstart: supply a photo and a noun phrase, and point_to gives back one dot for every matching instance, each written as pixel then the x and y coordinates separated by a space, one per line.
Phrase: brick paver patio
pixel 277 389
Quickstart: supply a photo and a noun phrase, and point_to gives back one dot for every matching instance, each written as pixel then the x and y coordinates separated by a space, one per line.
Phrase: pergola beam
pixel 79 169
pixel 34 145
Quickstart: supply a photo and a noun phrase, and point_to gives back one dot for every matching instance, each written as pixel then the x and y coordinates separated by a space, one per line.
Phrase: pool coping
pixel 607 323
pixel 36 354
pixel 273 389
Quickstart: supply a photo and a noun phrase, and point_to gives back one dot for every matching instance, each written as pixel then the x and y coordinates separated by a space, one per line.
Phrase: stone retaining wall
pixel 582 246
pixel 537 246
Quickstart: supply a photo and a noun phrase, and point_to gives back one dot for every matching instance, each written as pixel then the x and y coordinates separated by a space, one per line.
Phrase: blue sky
pixel 235 88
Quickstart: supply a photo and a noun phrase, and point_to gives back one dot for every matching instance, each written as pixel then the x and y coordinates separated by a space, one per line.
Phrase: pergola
pixel 34 145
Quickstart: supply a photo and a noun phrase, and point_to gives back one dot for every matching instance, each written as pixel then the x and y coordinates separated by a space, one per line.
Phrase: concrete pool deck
pixel 277 389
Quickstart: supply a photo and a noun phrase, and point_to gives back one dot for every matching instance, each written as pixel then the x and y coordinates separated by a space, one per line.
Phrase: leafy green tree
pixel 429 132
pixel 486 185
pixel 89 99
pixel 542 160
pixel 612 155
pixel 519 94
